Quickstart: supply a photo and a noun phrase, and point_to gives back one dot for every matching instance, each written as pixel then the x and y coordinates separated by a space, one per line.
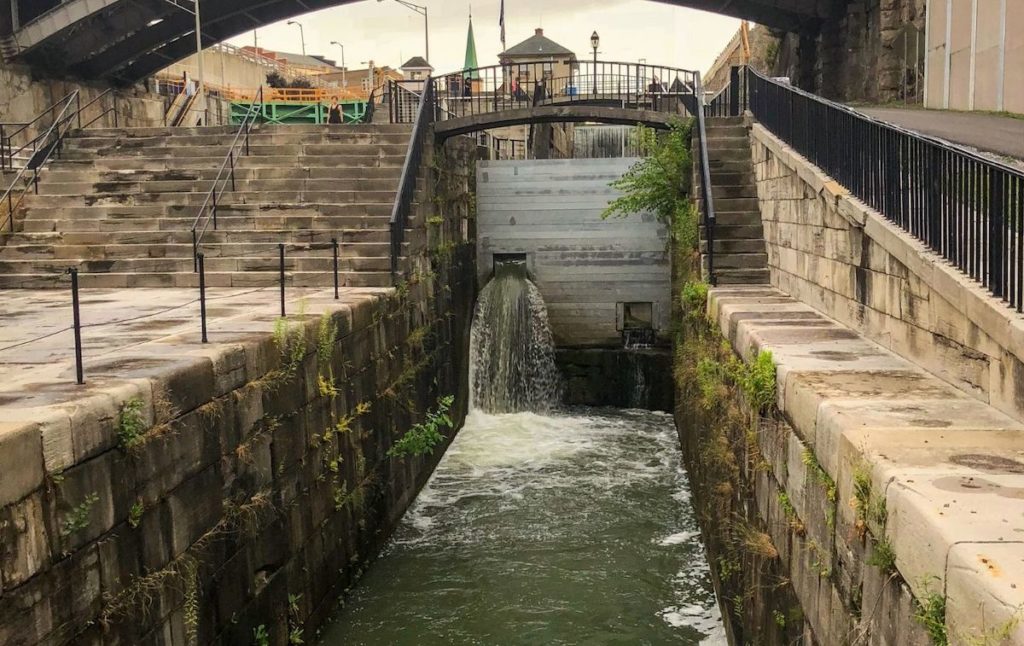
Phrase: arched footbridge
pixel 531 93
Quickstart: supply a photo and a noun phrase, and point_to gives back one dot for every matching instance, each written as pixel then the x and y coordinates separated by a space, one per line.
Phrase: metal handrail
pixel 425 116
pixel 35 163
pixel 209 207
pixel 370 109
pixel 966 207
pixel 82 108
pixel 707 197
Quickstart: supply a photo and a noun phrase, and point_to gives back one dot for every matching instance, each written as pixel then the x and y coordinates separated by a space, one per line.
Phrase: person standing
pixel 334 114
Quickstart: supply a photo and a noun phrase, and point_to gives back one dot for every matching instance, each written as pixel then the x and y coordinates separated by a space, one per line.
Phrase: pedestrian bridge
pixel 530 93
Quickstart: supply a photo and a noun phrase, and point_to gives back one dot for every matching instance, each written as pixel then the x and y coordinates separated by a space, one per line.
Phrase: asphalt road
pixel 989 133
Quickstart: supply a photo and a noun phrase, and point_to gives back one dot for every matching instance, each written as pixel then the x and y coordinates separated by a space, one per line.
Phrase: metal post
pixel 199 62
pixel 78 109
pixel 280 248
pixel 202 294
pixel 334 244
pixel 215 208
pixel 734 95
pixel 79 373
pixel 231 160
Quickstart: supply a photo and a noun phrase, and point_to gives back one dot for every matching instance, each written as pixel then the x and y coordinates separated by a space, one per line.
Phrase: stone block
pixel 21 461
pixel 195 508
pixel 24 535
pixel 984 594
pixel 187 384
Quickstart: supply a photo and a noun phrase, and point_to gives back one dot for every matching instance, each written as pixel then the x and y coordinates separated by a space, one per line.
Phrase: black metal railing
pixel 731 100
pixel 207 215
pixel 965 207
pixel 425 117
pixel 524 85
pixel 39 150
pixel 707 197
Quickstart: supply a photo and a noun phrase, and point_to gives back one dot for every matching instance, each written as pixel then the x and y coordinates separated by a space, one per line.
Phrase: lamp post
pixel 201 89
pixel 595 40
pixel 302 34
pixel 370 64
pixel 344 81
pixel 421 10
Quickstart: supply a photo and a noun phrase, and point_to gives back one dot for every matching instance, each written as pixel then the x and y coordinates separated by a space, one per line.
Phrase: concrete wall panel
pixel 550 210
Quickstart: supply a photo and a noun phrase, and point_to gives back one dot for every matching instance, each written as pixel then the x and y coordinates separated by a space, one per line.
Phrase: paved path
pixel 126 330
pixel 990 133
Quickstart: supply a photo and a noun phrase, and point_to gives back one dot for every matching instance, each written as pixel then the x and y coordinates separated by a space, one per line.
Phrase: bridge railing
pixel 524 85
pixel 967 208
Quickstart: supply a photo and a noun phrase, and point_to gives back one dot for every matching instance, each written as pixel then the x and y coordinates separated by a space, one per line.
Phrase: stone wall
pixel 857 55
pixel 243 488
pixel 616 377
pixel 23 97
pixel 832 252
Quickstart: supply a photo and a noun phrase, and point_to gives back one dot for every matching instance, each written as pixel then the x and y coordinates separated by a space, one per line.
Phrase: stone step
pixel 717 130
pixel 721 192
pixel 62 174
pixel 89 142
pixel 736 232
pixel 155 187
pixel 180 246
pixel 255 279
pixel 165 131
pixel 199 198
pixel 106 227
pixel 293 150
pixel 722 142
pixel 732 178
pixel 719 154
pixel 733 218
pixel 267 161
pixel 717 167
pixel 712 122
pixel 730 246
pixel 744 204
pixel 727 276
pixel 124 212
pixel 755 260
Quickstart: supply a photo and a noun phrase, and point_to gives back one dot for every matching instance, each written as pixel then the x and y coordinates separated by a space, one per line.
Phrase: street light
pixel 421 10
pixel 344 82
pixel 302 34
pixel 595 40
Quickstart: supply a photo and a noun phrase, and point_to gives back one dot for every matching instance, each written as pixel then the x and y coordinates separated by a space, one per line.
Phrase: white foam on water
pixel 680 537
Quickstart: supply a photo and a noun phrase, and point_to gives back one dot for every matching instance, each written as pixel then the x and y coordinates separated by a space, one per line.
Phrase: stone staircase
pixel 740 256
pixel 120 203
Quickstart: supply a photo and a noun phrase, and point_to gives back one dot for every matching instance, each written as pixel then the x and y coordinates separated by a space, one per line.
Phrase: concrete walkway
pixel 127 332
pixel 1003 136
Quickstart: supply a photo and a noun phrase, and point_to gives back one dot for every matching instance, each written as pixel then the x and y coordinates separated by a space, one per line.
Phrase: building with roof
pixel 309 65
pixel 416 68
pixel 556 60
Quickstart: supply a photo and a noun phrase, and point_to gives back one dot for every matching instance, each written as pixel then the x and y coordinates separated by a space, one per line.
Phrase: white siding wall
pixel 551 211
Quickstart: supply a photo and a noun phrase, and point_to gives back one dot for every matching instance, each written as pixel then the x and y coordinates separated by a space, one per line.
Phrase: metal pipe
pixel 202 294
pixel 199 63
pixel 334 244
pixel 280 248
pixel 75 305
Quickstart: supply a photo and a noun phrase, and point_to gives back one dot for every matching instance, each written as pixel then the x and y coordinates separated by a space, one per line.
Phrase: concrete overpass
pixel 124 41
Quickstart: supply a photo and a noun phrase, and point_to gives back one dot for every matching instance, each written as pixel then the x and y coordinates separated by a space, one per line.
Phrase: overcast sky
pixel 390 33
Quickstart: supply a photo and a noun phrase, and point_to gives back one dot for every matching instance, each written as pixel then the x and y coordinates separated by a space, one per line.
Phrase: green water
pixel 564 528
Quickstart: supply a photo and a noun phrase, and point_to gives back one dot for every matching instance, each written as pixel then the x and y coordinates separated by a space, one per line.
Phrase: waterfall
pixel 512 353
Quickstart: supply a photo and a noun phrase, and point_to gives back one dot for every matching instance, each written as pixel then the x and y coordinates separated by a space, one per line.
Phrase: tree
pixel 660 183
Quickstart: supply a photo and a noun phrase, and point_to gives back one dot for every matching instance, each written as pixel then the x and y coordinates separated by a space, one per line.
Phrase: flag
pixel 501 23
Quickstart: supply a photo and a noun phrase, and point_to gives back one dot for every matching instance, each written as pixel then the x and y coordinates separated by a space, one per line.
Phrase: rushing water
pixel 540 527
pixel 513 355
pixel 567 528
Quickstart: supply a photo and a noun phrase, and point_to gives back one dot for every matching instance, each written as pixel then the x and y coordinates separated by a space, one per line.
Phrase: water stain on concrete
pixel 993 463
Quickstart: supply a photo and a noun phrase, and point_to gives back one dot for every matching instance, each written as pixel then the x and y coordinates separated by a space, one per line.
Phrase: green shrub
pixel 130 424
pixel 422 438
pixel 695 296
pixel 930 612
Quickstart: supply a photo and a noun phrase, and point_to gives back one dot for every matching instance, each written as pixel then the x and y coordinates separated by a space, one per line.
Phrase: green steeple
pixel 471 63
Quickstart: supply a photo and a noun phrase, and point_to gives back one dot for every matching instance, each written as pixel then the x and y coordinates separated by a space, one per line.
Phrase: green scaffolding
pixel 296 113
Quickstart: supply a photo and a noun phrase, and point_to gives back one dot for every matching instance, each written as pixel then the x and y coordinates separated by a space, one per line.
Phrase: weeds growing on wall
pixel 422 438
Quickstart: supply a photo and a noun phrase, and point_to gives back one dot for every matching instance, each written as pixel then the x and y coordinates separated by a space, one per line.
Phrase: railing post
pixel 280 249
pixel 79 372
pixel 202 294
pixel 334 245
pixel 214 208
pixel 734 95
pixel 231 161
pixel 996 235
pixel 78 109
pixel 195 250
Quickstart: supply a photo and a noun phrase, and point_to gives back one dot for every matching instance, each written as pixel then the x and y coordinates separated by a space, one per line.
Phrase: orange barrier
pixel 277 95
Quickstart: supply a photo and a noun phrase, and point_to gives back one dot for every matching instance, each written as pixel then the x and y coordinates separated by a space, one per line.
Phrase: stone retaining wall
pixel 832 252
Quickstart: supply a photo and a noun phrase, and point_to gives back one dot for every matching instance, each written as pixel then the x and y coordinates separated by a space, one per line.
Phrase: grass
pixel 131 426
pixel 422 438
pixel 883 557
pixel 78 518
pixel 930 612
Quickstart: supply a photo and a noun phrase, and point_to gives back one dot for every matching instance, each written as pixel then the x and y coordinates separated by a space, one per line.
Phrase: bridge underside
pixel 125 41
pixel 576 113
